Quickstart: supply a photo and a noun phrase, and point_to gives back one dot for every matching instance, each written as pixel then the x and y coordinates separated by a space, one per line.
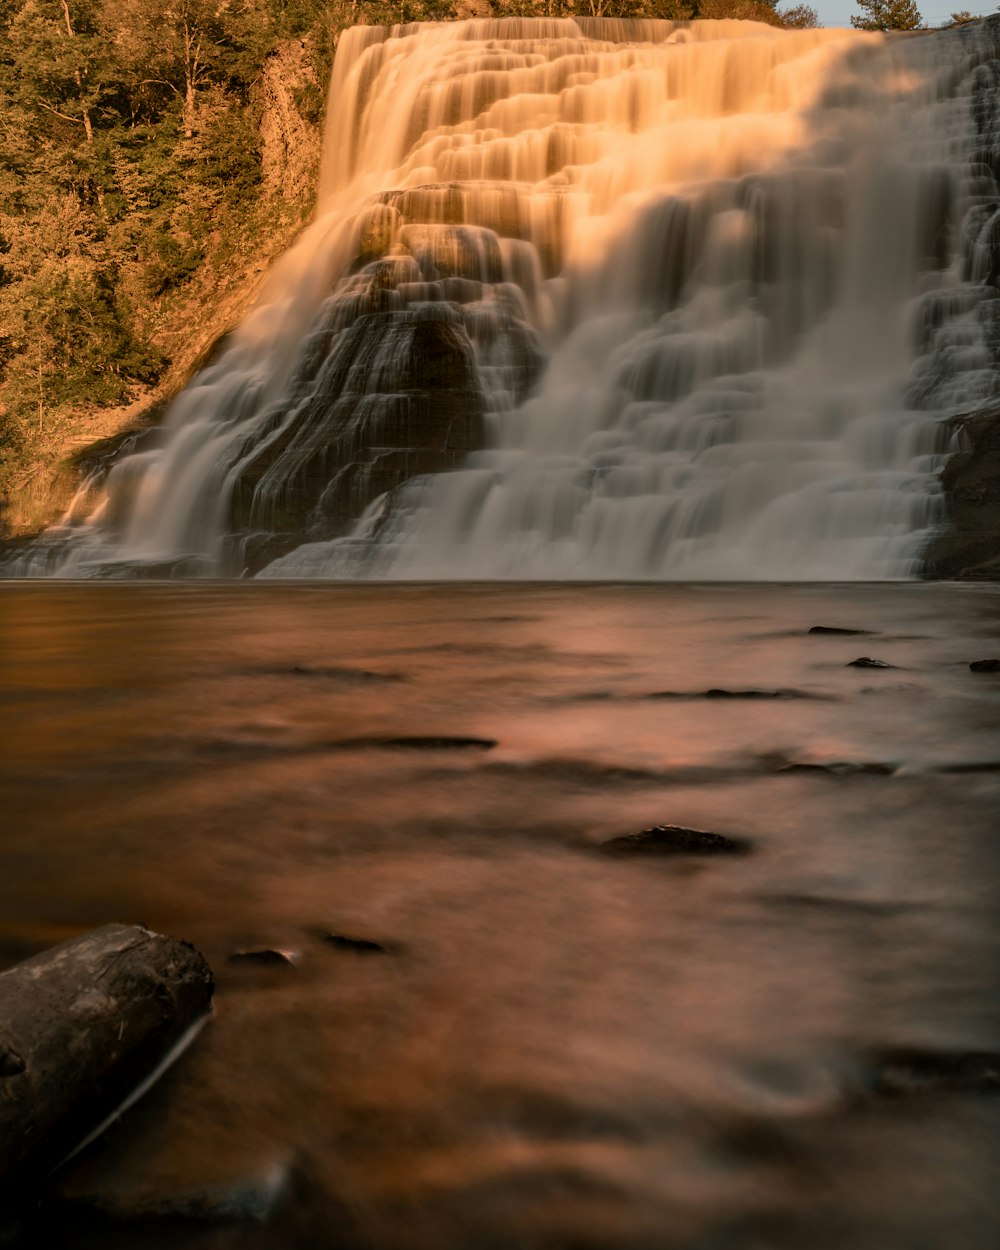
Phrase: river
pixel 555 1047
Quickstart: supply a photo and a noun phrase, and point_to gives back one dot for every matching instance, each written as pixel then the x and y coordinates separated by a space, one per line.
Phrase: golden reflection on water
pixel 559 1048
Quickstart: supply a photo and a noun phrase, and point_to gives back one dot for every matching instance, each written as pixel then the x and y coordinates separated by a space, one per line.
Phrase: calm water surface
pixel 558 1048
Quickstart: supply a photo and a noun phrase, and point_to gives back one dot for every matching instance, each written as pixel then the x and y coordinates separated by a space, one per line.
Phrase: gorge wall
pixel 595 298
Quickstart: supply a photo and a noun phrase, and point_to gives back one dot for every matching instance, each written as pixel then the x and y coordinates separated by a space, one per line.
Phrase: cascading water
pixel 597 299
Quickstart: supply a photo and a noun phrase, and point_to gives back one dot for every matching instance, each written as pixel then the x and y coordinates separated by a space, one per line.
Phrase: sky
pixel 934 12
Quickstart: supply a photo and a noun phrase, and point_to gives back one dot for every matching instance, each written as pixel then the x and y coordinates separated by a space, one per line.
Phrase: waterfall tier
pixel 599 299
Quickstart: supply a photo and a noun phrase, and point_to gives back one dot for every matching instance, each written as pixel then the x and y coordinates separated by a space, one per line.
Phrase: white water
pixel 750 255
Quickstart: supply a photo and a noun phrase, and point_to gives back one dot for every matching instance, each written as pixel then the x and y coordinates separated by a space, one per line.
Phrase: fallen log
pixel 85 1029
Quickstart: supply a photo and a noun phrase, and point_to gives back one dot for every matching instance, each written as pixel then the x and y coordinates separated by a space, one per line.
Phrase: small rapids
pixel 597 299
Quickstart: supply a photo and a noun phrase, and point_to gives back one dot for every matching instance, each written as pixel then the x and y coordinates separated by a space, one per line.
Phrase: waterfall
pixel 598 299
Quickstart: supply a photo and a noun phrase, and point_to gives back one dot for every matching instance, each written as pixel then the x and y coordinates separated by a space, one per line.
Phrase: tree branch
pixel 162 82
pixel 77 121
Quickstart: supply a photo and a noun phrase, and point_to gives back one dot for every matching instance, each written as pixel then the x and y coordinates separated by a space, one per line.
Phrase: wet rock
pixel 972 766
pixel 397 396
pixel 842 768
pixel 917 1071
pixel 674 840
pixel 340 673
pixel 253 1198
pixel 266 957
pixel 597 773
pixel 429 743
pixel 717 693
pixel 967 547
pixel 837 629
pixel 985 666
pixel 84 1028
pixel 356 945
pixel 872 908
pixel 866 661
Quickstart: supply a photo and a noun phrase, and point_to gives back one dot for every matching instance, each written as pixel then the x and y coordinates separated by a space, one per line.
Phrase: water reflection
pixel 559 1048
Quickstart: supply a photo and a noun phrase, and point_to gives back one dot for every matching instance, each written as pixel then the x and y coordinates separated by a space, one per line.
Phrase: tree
pixel 800 17
pixel 57 61
pixel 887 15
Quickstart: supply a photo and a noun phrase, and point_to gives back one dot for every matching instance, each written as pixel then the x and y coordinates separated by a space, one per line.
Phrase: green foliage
pixel 887 15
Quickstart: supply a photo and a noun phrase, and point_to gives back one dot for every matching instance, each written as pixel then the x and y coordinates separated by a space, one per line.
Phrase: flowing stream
pixel 596 299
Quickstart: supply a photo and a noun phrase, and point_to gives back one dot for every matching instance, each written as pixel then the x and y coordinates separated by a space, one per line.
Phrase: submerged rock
pixel 837 629
pixel 924 1071
pixel 985 666
pixel 842 768
pixel 429 743
pixel 866 661
pixel 85 1028
pixel 253 1197
pixel 716 693
pixel 358 946
pixel 342 673
pixel 265 956
pixel 675 840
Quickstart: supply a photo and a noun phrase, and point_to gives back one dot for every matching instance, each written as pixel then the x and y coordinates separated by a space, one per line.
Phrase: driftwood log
pixel 84 1029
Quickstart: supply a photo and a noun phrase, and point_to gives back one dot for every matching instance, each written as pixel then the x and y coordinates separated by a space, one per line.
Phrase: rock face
pixel 969 549
pixel 396 397
pixel 82 1027
pixel 290 139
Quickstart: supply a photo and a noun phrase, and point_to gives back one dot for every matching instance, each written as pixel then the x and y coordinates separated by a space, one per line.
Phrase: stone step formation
pixel 597 298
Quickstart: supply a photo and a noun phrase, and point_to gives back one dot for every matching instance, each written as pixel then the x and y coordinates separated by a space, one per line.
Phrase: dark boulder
pixel 866 661
pixel 84 1028
pixel 985 666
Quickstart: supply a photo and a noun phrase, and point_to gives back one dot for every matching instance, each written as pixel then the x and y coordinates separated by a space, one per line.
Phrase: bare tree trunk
pixel 88 128
pixel 192 57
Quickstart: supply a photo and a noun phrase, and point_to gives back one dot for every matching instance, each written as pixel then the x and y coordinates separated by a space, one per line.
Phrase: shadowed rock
pixel 84 1028
pixel 397 397
pixel 837 629
pixel 985 666
pixel 674 840
pixel 866 661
